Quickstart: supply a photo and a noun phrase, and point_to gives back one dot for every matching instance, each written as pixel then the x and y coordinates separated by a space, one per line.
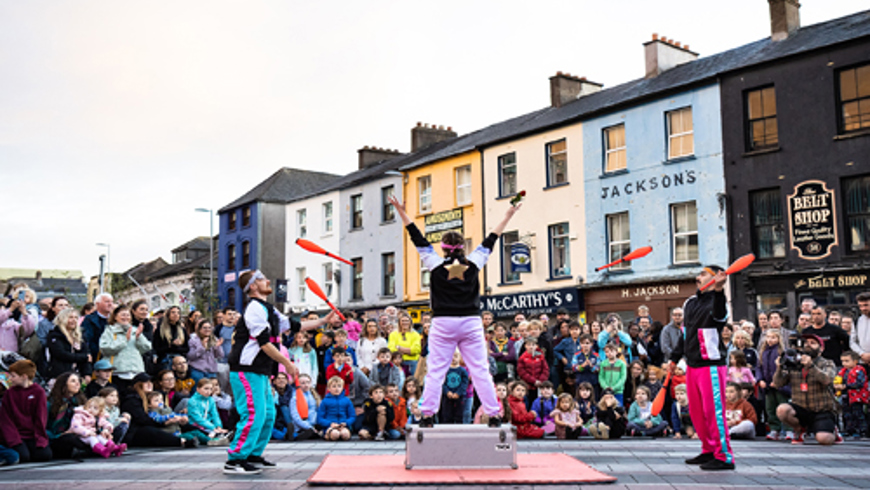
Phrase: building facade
pixel 316 219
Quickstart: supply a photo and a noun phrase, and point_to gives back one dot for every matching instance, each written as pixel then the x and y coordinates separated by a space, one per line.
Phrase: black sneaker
pixel 191 443
pixel 240 467
pixel 494 422
pixel 717 465
pixel 259 460
pixel 427 421
pixel 701 458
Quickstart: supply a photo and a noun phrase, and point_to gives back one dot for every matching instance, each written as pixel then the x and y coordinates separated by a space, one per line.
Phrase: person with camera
pixel 811 378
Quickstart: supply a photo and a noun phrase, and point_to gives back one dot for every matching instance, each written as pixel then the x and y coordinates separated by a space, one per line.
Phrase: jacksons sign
pixel 532 303
pixel 813 217
pixel 436 224
pixel 642 185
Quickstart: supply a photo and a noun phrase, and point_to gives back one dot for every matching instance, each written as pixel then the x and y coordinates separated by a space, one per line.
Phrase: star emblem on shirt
pixel 456 270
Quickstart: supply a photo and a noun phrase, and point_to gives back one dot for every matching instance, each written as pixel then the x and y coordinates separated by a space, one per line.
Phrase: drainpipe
pixel 483 216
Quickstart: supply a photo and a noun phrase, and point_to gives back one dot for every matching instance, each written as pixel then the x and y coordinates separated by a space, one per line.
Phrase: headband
pixel 257 275
pixel 709 271
pixel 452 247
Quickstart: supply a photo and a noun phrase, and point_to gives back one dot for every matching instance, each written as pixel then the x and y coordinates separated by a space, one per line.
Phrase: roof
pixel 198 243
pixel 283 186
pixel 143 270
pixel 697 72
pixel 7 272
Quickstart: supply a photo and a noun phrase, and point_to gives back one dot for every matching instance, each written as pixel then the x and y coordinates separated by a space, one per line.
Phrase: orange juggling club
pixel 737 266
pixel 634 254
pixel 315 288
pixel 301 403
pixel 315 248
pixel 659 401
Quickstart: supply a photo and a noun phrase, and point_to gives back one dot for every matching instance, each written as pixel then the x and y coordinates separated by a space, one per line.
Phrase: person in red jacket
pixel 24 414
pixel 342 368
pixel 532 366
pixel 521 418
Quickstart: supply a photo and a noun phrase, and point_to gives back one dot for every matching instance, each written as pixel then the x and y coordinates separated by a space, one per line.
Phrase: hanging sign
pixel 436 224
pixel 521 258
pixel 813 220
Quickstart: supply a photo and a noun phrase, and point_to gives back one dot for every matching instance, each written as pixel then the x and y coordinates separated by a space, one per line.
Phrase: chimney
pixel 785 18
pixel 564 88
pixel 370 155
pixel 424 135
pixel 662 54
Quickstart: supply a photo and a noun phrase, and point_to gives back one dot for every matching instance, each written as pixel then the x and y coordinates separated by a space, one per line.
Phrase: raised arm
pixel 400 208
pixel 499 228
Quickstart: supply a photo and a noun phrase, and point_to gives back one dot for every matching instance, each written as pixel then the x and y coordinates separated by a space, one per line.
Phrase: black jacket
pixel 64 358
pixel 705 315
pixel 164 348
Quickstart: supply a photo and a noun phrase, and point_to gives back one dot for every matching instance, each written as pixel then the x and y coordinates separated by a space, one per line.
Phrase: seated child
pixel 24 414
pixel 641 421
pixel 340 344
pixel 501 391
pixel 282 394
pixel 532 368
pixel 739 371
pixel 586 404
pixel 521 418
pixel 610 416
pixel 681 422
pixel 566 418
pixel 341 368
pixel 120 421
pixel 173 421
pixel 336 414
pixel 400 413
pixel 377 415
pixel 653 381
pixel 100 378
pixel 411 394
pixel 739 413
pixel 454 391
pixel 544 406
pixel 384 372
pixel 585 363
pixel 304 429
pixel 225 406
pixel 90 424
pixel 203 414
pixel 398 360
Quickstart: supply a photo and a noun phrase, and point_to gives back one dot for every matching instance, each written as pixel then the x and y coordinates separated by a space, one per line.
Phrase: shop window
pixel 560 251
pixel 618 239
pixel 768 302
pixel 684 231
pixel 854 98
pixel 763 130
pixel 614 149
pixel 357 285
pixel 557 163
pixel 681 134
pixel 507 175
pixel 388 267
pixel 768 235
pixel 856 192
pixel 507 239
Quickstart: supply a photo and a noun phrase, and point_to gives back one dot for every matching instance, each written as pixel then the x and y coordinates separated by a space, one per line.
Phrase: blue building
pixel 253 230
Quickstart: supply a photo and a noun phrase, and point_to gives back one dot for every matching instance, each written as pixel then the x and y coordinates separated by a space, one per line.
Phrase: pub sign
pixel 437 223
pixel 813 219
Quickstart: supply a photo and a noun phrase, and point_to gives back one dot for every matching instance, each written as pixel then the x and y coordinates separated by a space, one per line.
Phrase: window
pixel 327 217
pixel 424 277
pixel 507 175
pixel 424 190
pixel 231 218
pixel 855 98
pixel 246 216
pixel 557 163
pixel 614 148
pixel 387 212
pixel 357 286
pixel 681 133
pixel 684 226
pixel 301 223
pixel 231 298
pixel 246 255
pixel 857 195
pixel 328 279
pixel 356 212
pixel 388 266
pixel 300 280
pixel 231 257
pixel 761 123
pixel 463 186
pixel 560 251
pixel 506 240
pixel 768 234
pixel 618 239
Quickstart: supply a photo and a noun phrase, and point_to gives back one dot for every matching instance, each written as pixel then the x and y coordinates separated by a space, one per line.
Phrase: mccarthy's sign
pixel 532 303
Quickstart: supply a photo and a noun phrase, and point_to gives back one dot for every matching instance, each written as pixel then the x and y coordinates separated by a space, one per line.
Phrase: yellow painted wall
pixel 443 174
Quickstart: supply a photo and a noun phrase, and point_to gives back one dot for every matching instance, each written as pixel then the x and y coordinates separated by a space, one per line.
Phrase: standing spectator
pixel 585 363
pixel 124 346
pixel 139 310
pixel 370 344
pixel 847 323
pixel 64 397
pixel 86 310
pixel 807 305
pixel 67 349
pixel 672 332
pixel 46 323
pixel 834 317
pixel 860 340
pixel 454 391
pixel 408 343
pixel 226 328
pixel 834 339
pixel 773 396
pixel 743 343
pixel 566 349
pixel 612 373
pixel 340 343
pixel 192 320
pixel 171 339
pixel 205 350
pixel 502 350
pixel 23 414
pixel 15 322
pixel 94 324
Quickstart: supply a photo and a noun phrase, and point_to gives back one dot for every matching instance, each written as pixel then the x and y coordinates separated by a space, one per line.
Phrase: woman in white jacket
pixel 123 345
pixel 370 342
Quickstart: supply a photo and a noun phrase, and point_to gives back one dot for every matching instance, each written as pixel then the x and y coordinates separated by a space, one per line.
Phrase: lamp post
pixel 210 254
pixel 108 265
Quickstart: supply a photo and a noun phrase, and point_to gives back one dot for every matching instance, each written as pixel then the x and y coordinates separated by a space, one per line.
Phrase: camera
pixel 791 357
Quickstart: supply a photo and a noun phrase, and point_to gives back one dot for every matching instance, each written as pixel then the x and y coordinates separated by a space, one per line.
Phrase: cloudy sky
pixel 117 119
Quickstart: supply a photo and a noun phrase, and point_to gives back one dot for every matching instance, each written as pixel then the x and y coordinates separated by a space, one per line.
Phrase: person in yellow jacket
pixel 407 342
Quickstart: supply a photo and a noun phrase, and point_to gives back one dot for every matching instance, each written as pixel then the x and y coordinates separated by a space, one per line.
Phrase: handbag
pixel 30 347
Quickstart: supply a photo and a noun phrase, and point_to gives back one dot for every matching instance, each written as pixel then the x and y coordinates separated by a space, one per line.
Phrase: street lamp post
pixel 108 265
pixel 210 254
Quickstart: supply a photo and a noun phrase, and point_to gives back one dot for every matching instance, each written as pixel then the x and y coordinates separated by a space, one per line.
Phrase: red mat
pixel 553 468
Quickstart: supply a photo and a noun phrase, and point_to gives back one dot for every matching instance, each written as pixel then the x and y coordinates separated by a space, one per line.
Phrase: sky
pixel 118 119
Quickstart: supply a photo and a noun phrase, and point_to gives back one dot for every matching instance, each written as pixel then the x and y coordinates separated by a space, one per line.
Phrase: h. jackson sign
pixel 532 303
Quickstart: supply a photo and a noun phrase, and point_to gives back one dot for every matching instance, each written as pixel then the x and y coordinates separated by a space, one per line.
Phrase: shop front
pixel 533 303
pixel 660 296
pixel 835 290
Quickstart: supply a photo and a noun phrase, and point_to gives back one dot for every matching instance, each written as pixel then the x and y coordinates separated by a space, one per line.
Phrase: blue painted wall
pixel 651 183
pixel 237 237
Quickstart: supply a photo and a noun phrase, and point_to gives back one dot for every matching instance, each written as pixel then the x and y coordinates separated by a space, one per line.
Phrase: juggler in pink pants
pixel 445 334
pixel 705 387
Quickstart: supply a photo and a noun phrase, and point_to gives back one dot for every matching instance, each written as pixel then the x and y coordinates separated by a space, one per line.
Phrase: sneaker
pixel 604 431
pixel 717 465
pixel 838 439
pixel 701 458
pixel 593 430
pixel 494 422
pixel 798 439
pixel 789 436
pixel 240 467
pixel 427 421
pixel 218 441
pixel 773 435
pixel 380 436
pixel 261 461
pixel 191 443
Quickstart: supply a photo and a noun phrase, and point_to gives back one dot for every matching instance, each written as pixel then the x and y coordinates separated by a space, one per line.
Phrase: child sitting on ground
pixel 384 372
pixel 336 414
pixel 120 421
pixel 304 429
pixel 681 422
pixel 610 416
pixel 521 418
pixel 566 418
pixel 501 391
pixel 225 406
pixel 544 406
pixel 653 381
pixel 173 421
pixel 641 421
pixel 586 404
pixel 411 394
pixel 281 396
pixel 400 413
pixel 90 424
pixel 377 415
pixel 739 413
pixel 203 414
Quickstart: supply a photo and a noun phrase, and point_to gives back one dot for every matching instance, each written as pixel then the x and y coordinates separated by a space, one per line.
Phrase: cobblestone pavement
pixel 638 463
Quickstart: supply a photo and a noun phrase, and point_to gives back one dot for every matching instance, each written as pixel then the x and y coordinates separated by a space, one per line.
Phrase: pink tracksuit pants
pixel 705 387
pixel 445 335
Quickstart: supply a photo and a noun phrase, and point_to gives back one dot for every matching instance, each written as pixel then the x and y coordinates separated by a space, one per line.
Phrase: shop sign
pixel 639 186
pixel 834 281
pixel 436 224
pixel 521 257
pixel 653 291
pixel 230 277
pixel 532 303
pixel 812 215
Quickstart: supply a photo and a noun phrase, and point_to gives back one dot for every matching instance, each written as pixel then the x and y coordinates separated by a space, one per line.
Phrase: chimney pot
pixel 429 134
pixel 678 45
pixel 565 87
pixel 785 18
pixel 419 124
pixel 655 36
pixel 664 55
pixel 686 47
